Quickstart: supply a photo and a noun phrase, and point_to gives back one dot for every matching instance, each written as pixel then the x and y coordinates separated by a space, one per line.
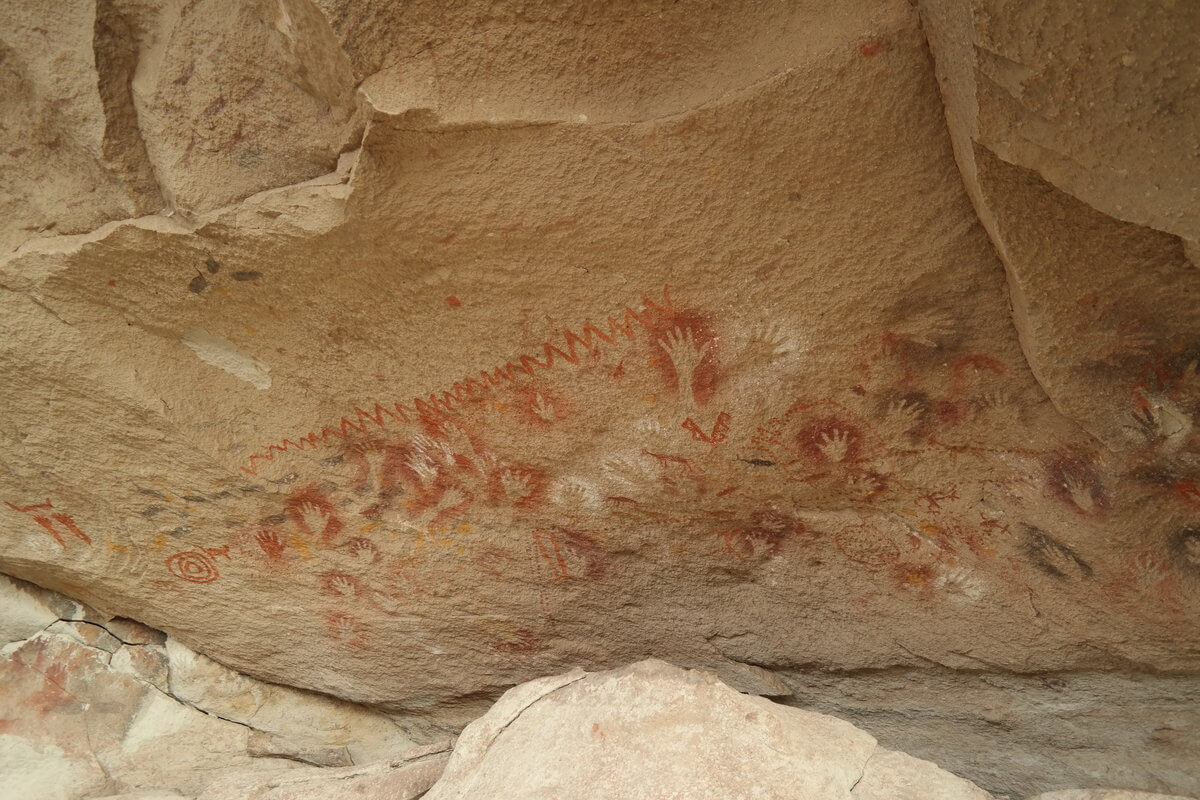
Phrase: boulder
pixel 83 712
pixel 656 731
pixel 402 779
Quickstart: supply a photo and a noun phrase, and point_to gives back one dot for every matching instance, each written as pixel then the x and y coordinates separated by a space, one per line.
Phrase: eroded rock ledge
pixel 95 705
pixel 402 356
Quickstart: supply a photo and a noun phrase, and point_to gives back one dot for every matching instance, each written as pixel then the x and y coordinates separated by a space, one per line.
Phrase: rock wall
pixel 1078 147
pixel 406 355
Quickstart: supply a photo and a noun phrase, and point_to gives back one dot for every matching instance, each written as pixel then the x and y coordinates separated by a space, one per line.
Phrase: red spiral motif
pixel 194 566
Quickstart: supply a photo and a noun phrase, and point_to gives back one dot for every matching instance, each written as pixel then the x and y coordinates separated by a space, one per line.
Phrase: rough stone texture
pixel 391 780
pixel 1076 131
pixel 56 175
pixel 655 731
pixel 118 108
pixel 400 779
pixel 1101 794
pixel 84 713
pixel 477 341
pixel 1099 99
pixel 1018 735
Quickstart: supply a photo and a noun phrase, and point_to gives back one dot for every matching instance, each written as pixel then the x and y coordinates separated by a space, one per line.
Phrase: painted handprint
pixel 371 464
pixel 1079 490
pixel 1053 557
pixel 453 497
pixel 926 328
pixel 864 485
pixel 363 550
pixel 1148 570
pixel 456 439
pixel 686 354
pixel 432 450
pixel 542 409
pixel 575 494
pixel 768 343
pixel 901 417
pixel 1184 547
pixel 517 484
pixel 389 605
pixel 340 583
pixel 1189 549
pixel 959 584
pixel 313 514
pixel 450 503
pixel 628 474
pixel 423 467
pixel 345 629
pixel 313 518
pixel 1115 344
pixel 834 444
pixel 463 451
pixel 1148 423
pixel 1162 421
pixel 570 553
pixel 272 543
pixel 1187 387
pixel 1000 407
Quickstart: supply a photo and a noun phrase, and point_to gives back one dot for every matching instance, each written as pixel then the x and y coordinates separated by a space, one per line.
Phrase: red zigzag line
pixel 26 509
pixel 450 398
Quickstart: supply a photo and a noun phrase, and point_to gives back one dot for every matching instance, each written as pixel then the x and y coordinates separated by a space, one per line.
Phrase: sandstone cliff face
pixel 407 354
pixel 1078 146
pixel 119 108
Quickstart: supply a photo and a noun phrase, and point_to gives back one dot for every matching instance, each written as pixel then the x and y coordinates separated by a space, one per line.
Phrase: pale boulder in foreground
pixel 656 731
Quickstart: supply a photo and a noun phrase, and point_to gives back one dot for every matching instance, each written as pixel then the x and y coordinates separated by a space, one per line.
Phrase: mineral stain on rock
pixel 224 355
pixel 845 349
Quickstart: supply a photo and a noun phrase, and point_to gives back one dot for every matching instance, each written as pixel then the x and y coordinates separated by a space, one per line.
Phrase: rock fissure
pixel 845 350
pixel 861 773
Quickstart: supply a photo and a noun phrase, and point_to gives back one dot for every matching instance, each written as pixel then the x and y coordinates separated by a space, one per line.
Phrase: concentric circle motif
pixel 194 566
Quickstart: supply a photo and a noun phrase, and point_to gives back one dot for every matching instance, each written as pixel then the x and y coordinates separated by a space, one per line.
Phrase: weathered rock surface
pixel 653 730
pixel 1076 132
pixel 405 355
pixel 1101 794
pixel 1019 735
pixel 389 780
pixel 117 108
pixel 91 705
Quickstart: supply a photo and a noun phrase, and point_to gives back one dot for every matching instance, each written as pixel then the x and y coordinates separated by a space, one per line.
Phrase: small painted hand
pixel 517 484
pixel 686 355
pixel 542 409
pixel 835 444
pixel 1080 491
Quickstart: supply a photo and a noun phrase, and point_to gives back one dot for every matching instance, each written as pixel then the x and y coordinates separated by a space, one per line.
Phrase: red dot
pixel 453 301
pixel 112 283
